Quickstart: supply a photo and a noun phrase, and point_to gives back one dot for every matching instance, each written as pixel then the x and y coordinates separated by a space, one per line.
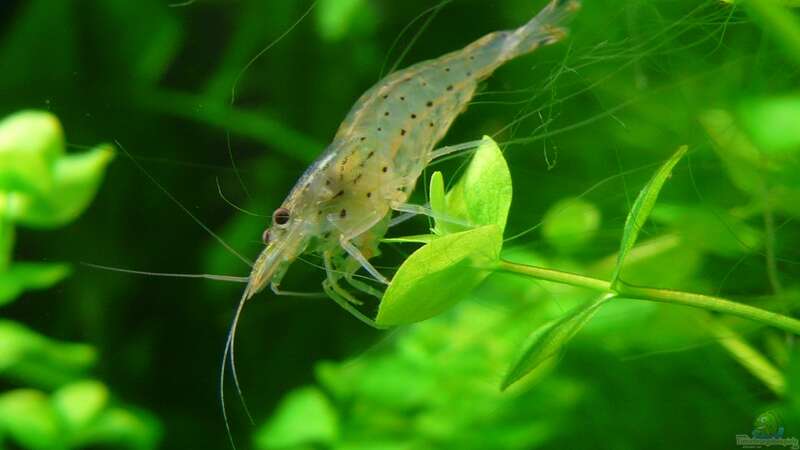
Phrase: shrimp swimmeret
pixel 342 205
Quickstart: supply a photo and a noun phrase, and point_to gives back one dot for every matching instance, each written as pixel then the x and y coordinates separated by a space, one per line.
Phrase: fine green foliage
pixel 305 417
pixel 42 186
pixel 641 209
pixel 549 340
pixel 47 187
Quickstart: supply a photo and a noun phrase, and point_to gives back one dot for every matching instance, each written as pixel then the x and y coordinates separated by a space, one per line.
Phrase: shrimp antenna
pixel 180 205
pixel 233 205
pixel 433 11
pixel 206 276
pixel 241 74
pixel 229 350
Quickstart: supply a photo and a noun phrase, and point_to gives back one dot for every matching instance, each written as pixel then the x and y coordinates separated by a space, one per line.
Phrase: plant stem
pixel 701 301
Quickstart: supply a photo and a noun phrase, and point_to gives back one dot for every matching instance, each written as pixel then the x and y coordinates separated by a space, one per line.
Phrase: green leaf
pixel 6 234
pixel 641 210
pixel 26 416
pixel 78 404
pixel 485 188
pixel 121 428
pixel 75 181
pixel 570 224
pixel 335 18
pixel 439 274
pixel 20 277
pixel 438 201
pixel 305 416
pixel 772 123
pixel 30 143
pixel 40 361
pixel 550 339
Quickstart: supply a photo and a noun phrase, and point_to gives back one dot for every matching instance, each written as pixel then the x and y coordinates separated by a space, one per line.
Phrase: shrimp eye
pixel 281 216
pixel 265 236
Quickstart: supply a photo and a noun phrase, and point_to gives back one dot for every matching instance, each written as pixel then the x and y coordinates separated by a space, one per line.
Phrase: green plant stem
pixel 701 301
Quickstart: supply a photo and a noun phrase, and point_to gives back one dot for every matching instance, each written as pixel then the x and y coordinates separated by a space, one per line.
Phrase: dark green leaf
pixel 641 210
pixel 550 339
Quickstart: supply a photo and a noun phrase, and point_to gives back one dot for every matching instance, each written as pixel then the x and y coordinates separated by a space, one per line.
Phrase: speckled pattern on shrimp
pixel 342 204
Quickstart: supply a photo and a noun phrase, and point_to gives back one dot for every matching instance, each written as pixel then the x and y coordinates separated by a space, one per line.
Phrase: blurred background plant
pixel 53 403
pixel 583 124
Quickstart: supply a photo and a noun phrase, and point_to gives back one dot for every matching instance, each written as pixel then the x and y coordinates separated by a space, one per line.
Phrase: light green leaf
pixel 305 416
pixel 438 201
pixel 485 188
pixel 122 428
pixel 641 210
pixel 75 180
pixel 772 123
pixel 336 17
pixel 550 339
pixel 20 277
pixel 439 274
pixel 78 404
pixel 570 224
pixel 26 416
pixel 30 143
pixel 40 361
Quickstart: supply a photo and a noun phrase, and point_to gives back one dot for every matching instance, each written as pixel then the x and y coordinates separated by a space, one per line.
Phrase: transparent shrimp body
pixel 343 202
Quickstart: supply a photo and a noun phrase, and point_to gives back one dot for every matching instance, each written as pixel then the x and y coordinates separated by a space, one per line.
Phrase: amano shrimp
pixel 342 205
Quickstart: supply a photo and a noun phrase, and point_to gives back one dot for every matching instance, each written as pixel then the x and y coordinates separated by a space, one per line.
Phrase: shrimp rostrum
pixel 342 205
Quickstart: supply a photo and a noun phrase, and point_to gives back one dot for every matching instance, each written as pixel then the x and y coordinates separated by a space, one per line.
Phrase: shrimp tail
pixel 548 27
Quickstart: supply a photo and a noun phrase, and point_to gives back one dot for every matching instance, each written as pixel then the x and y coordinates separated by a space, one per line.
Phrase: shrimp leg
pixel 424 210
pixel 278 291
pixel 450 149
pixel 363 287
pixel 353 251
pixel 341 296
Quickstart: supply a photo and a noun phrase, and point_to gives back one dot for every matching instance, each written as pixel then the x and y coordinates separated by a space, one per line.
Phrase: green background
pixel 598 113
